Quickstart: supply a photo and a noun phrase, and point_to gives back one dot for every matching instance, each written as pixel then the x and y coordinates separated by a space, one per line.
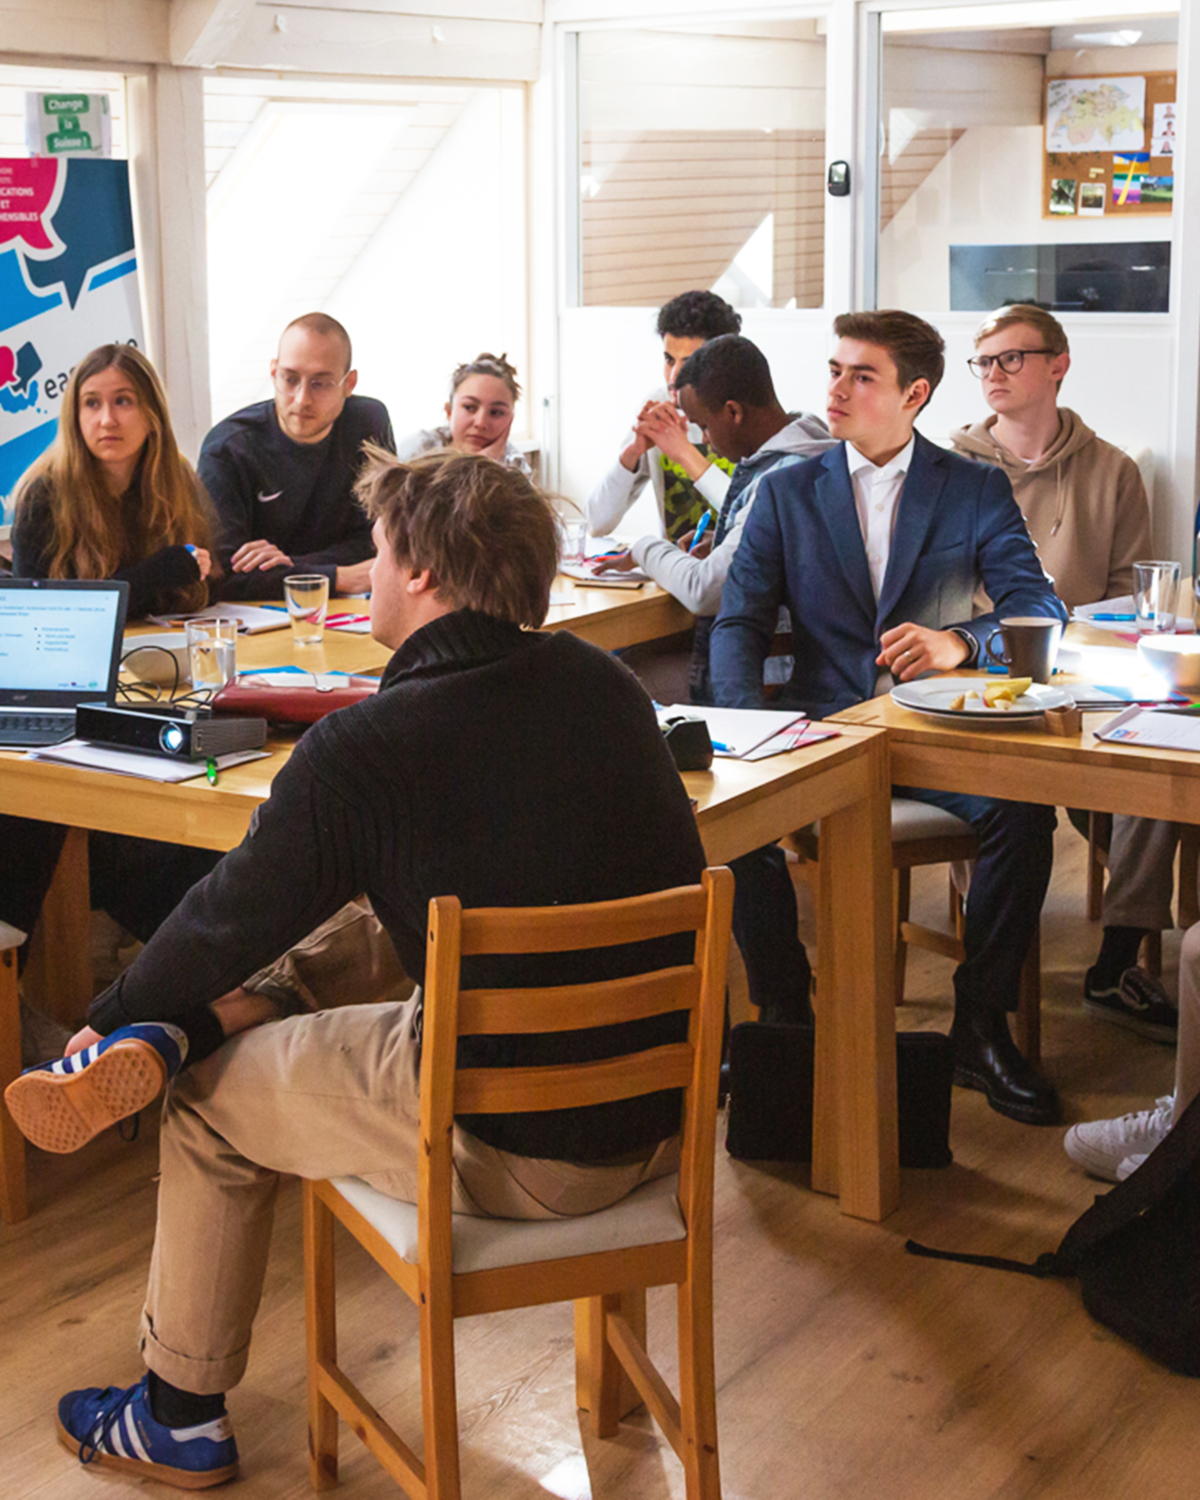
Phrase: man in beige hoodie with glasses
pixel 1083 499
pixel 1085 505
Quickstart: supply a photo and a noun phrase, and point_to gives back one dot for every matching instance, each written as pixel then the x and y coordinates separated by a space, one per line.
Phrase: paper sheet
pixel 133 763
pixel 251 619
pixel 737 732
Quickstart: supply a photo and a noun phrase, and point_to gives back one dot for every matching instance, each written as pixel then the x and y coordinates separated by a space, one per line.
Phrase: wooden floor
pixel 844 1367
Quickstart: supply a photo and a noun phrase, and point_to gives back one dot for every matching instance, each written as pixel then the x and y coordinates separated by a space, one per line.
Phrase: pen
pixel 211 771
pixel 1114 617
pixel 717 745
pixel 700 530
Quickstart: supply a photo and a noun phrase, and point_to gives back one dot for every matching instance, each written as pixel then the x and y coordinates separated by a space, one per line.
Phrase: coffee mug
pixel 1030 646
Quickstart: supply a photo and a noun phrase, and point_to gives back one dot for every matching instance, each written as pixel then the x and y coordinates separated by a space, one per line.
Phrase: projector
pixel 161 729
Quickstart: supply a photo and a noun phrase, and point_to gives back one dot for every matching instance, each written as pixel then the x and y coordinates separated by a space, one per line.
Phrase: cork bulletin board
pixel 1109 146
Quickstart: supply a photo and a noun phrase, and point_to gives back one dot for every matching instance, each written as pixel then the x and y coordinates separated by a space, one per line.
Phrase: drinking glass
pixel 574 541
pixel 1155 586
pixel 212 652
pixel 307 596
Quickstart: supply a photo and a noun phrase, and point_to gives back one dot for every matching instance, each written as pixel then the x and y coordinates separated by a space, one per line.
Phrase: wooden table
pixel 843 782
pixel 1027 764
pixel 609 618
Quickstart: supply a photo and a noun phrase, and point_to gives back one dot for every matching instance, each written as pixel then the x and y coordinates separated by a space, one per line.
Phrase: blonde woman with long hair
pixel 113 497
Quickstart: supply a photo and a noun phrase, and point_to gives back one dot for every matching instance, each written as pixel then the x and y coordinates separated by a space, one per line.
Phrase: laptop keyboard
pixel 22 730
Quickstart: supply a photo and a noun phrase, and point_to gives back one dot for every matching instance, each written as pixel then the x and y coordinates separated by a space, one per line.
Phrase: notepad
pixel 1153 728
pixel 749 733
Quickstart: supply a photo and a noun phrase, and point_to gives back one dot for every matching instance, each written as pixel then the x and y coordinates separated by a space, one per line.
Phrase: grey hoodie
pixel 697 581
pixel 1083 501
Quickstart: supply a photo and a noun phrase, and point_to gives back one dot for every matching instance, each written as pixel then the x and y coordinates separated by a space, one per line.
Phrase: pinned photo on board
pixel 1091 199
pixel 1128 171
pixel 1162 137
pixel 1158 190
pixel 1062 195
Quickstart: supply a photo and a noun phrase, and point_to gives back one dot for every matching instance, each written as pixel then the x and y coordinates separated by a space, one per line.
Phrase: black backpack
pixel 1136 1252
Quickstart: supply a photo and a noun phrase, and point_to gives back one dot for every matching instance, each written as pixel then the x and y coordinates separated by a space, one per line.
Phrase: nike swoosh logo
pixel 263 499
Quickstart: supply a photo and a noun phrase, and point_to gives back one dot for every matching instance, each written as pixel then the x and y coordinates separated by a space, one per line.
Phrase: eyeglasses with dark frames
pixel 1010 361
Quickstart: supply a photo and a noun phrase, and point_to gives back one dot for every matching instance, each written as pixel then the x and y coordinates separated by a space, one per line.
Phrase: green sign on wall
pixel 65 122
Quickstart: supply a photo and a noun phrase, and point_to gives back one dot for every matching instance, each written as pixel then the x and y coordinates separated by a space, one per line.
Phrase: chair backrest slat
pixel 599 924
pixel 690 1065
pixel 570 1085
pixel 571 1007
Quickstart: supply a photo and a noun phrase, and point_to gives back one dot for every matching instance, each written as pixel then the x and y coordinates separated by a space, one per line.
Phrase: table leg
pixel 58 976
pixel 12 1144
pixel 855 1143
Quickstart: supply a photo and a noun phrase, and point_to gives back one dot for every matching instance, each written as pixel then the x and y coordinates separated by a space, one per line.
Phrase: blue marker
pixel 700 530
pixel 717 745
pixel 1113 618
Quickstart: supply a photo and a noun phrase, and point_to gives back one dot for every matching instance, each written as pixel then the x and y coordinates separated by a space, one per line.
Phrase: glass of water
pixel 1155 586
pixel 307 596
pixel 212 652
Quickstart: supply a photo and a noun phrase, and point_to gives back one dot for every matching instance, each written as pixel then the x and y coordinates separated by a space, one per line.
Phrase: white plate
pixel 934 695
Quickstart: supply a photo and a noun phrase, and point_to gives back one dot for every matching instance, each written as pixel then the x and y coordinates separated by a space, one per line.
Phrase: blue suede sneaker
pixel 115 1428
pixel 61 1105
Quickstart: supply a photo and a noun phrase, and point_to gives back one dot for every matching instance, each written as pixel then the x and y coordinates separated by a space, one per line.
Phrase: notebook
pixel 60 645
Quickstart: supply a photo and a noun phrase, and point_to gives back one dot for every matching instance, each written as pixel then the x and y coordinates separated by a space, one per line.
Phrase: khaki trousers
pixel 326 1095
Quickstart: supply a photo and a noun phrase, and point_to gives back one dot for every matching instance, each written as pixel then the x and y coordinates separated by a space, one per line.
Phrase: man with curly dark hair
pixel 663 448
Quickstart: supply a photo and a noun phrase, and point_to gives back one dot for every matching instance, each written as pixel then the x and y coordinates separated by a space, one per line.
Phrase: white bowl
pixel 1175 657
pixel 155 666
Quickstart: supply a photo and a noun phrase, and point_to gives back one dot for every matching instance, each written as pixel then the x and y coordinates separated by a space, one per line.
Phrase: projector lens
pixel 171 738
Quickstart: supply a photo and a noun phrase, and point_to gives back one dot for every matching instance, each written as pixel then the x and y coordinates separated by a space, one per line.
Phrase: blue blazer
pixel 957 527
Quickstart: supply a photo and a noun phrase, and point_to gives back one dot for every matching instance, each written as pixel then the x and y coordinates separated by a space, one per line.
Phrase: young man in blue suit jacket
pixel 877 548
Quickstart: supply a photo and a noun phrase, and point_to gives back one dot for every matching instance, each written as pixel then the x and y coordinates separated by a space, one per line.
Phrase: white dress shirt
pixel 876 490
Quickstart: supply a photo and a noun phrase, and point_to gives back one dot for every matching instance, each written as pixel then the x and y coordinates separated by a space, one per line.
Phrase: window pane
pixel 974 213
pixel 397 208
pixel 702 164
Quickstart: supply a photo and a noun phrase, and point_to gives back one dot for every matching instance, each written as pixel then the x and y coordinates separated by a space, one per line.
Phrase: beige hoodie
pixel 1084 503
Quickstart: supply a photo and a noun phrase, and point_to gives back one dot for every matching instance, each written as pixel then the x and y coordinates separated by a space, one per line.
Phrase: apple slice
pixel 1008 691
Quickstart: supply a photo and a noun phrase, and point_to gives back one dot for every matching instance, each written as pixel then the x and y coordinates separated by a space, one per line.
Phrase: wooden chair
pixel 926 835
pixel 457 1265
pixel 12 1142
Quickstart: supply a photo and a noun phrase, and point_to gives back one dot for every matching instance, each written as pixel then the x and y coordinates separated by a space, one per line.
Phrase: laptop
pixel 60 645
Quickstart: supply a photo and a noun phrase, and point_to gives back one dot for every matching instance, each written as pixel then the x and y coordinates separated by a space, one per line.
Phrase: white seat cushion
pixel 649 1216
pixel 10 937
pixel 919 820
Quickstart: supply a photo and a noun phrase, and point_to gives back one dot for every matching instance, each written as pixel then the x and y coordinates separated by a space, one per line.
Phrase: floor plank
pixel 845 1367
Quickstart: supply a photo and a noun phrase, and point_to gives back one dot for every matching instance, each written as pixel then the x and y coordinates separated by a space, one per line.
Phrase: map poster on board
pixel 1096 114
pixel 1114 138
pixel 68 283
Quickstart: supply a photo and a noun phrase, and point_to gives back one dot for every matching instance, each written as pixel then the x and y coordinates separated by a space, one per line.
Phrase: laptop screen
pixel 60 641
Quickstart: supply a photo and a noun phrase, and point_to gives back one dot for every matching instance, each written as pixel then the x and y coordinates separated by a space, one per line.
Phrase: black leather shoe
pixel 986 1058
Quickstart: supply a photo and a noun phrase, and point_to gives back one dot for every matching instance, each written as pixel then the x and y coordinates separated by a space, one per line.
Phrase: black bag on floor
pixel 1136 1252
pixel 771 1094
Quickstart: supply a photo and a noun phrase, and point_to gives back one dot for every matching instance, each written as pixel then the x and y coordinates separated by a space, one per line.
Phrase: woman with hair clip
pixel 479 415
pixel 113 497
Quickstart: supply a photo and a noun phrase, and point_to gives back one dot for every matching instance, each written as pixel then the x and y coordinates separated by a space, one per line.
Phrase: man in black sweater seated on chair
pixel 497 763
pixel 281 473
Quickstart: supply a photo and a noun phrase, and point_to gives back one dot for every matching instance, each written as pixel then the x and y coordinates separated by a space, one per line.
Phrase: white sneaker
pixel 1101 1147
pixel 1130 1165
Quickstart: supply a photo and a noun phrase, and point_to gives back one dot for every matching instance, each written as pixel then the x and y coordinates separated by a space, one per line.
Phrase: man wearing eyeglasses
pixel 1085 505
pixel 281 473
pixel 1083 500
